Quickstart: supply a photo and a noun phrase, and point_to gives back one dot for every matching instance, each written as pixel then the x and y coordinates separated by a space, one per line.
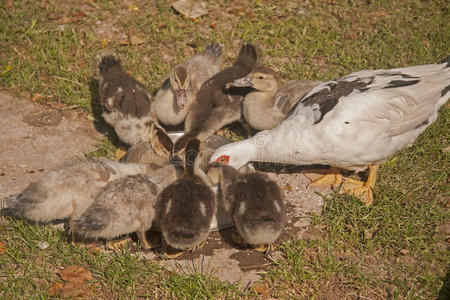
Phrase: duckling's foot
pixel 199 246
pixel 120 152
pixel 172 253
pixel 116 244
pixel 331 178
pixel 263 248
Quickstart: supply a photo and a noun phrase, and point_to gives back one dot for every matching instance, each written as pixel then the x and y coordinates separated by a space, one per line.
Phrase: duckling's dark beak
pixel 243 82
pixel 181 98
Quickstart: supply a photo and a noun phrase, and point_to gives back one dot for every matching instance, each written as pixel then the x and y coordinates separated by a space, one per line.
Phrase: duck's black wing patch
pixel 329 95
pixel 447 61
pixel 387 74
pixel 400 83
pixel 445 91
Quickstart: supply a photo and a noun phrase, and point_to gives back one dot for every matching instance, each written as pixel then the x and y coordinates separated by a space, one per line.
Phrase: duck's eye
pixel 224 159
pixel 260 77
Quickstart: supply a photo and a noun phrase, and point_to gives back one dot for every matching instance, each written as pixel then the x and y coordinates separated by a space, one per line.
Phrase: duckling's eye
pixel 224 159
pixel 260 77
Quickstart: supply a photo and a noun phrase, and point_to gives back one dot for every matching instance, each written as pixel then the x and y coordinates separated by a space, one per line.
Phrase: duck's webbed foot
pixel 331 178
pixel 362 190
pixel 120 153
pixel 118 243
pixel 264 248
pixel 145 245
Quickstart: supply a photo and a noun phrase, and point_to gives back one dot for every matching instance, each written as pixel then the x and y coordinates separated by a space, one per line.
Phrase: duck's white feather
pixel 351 122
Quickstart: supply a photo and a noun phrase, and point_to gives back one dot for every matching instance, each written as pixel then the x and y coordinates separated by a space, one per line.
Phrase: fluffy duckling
pixel 187 206
pixel 155 153
pixel 255 203
pixel 352 123
pixel 216 105
pixel 126 205
pixel 173 99
pixel 67 191
pixel 125 102
pixel 268 103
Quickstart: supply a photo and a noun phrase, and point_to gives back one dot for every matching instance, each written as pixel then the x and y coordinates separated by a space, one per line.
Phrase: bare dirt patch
pixel 35 139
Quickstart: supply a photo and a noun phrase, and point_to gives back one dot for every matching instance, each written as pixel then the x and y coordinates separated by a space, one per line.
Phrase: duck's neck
pixel 259 99
pixel 283 144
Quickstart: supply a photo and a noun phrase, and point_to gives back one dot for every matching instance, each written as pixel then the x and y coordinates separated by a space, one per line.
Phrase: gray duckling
pixel 255 203
pixel 126 103
pixel 69 190
pixel 126 205
pixel 173 99
pixel 187 206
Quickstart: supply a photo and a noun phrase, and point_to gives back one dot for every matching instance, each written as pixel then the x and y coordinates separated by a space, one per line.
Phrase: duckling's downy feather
pixel 125 102
pixel 193 73
pixel 215 106
pixel 126 205
pixel 187 206
pixel 68 190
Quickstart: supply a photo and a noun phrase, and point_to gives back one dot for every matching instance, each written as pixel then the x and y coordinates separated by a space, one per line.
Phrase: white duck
pixel 353 122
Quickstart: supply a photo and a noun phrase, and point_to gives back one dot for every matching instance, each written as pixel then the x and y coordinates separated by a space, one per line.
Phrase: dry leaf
pixel 190 8
pixel 136 40
pixel 367 234
pixel 10 6
pixel 446 149
pixel 75 274
pixel 37 97
pixel 73 289
pixel 403 252
pixel 2 248
pixel 133 7
pixel 261 289
pixel 124 43
pixel 104 43
pixel 55 289
pixel 213 25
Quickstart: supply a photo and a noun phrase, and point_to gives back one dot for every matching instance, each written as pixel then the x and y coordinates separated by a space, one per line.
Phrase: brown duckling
pixel 173 99
pixel 187 206
pixel 125 101
pixel 255 203
pixel 67 191
pixel 268 103
pixel 216 105
pixel 126 205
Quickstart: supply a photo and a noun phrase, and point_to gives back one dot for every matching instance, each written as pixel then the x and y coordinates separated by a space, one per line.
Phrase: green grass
pixel 48 49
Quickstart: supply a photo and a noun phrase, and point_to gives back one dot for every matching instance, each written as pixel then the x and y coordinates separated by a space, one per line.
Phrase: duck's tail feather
pixel 109 61
pixel 181 143
pixel 214 49
pixel 16 206
pixel 94 221
pixel 247 57
pixel 446 61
